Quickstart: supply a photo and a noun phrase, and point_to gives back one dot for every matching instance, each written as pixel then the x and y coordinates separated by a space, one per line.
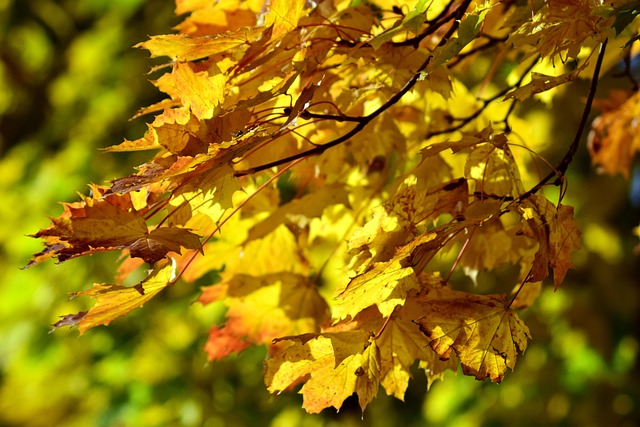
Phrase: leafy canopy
pixel 341 165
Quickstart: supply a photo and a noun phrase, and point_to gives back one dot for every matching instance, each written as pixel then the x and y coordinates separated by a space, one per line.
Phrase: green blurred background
pixel 69 82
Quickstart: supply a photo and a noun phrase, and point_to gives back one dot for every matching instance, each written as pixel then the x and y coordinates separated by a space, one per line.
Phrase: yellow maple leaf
pixel 113 301
pixel 401 343
pixel 493 168
pixel 481 330
pixel 301 210
pixel 284 15
pixel 199 91
pixel 542 83
pixel 334 365
pixel 181 47
pixel 491 245
pixel 384 285
pixel 559 26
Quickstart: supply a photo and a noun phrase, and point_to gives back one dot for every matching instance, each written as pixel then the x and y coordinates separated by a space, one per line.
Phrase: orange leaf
pixel 266 307
pixel 615 138
pixel 223 342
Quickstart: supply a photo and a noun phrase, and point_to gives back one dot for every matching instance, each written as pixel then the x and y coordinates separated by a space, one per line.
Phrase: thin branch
pixel 434 25
pixel 366 119
pixel 485 103
pixel 562 167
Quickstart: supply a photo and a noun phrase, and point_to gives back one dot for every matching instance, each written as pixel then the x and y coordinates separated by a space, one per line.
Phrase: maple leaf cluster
pixel 332 164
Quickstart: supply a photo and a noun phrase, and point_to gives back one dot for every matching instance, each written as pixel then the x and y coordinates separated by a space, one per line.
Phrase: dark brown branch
pixel 562 167
pixel 463 121
pixel 309 115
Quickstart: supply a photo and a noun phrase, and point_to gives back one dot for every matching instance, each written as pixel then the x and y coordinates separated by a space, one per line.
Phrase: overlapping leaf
pixel 384 284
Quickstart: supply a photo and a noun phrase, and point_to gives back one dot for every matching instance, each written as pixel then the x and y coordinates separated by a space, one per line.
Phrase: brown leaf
pixel 68 320
pixel 92 225
pixel 158 242
pixel 556 233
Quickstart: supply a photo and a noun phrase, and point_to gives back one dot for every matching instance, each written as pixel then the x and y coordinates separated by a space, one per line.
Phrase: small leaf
pixel 412 22
pixel 542 83
pixel 68 320
pixel 468 30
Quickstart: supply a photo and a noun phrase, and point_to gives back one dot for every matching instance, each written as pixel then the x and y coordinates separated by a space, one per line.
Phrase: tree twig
pixel 562 167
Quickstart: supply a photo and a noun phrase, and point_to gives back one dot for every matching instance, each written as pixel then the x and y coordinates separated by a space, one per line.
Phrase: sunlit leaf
pixel 336 365
pixel 113 301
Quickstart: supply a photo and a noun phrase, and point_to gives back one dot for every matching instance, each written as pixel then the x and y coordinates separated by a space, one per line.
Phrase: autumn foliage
pixel 342 166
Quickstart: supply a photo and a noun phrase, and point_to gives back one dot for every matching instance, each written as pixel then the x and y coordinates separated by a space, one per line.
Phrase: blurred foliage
pixel 69 81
